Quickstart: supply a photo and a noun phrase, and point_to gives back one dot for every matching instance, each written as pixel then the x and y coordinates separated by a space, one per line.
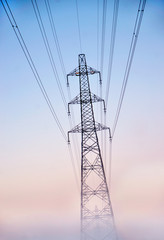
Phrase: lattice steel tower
pixel 97 221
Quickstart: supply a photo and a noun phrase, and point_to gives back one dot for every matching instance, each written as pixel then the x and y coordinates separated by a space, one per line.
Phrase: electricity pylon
pixel 97 220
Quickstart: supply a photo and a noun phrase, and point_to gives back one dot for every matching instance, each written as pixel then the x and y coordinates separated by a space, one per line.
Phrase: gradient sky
pixel 39 198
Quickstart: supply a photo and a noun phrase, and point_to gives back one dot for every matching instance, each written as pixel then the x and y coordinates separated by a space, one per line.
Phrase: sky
pixel 39 197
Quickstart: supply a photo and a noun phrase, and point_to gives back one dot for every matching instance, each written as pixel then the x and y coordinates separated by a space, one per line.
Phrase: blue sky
pixel 36 175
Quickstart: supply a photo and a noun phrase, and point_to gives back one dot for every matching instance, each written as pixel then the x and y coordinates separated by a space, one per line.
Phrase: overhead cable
pixel 103 35
pixel 73 166
pixel 78 23
pixel 55 37
pixel 112 44
pixel 36 75
pixel 97 35
pixel 47 45
pixel 32 65
pixel 48 50
pixel 102 60
pixel 57 45
pixel 110 162
pixel 130 59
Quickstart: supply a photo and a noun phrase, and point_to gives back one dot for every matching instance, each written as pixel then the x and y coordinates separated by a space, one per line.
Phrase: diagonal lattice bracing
pixel 97 220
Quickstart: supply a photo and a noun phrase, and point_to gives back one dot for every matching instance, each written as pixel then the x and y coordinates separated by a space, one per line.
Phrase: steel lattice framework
pixel 97 221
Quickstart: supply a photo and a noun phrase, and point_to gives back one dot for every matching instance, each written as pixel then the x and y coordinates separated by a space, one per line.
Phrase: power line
pixel 98 42
pixel 56 40
pixel 73 166
pixel 105 163
pixel 130 59
pixel 32 65
pixel 102 60
pixel 103 35
pixel 72 123
pixel 112 44
pixel 98 30
pixel 111 52
pixel 37 77
pixel 110 163
pixel 55 37
pixel 78 22
pixel 48 49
